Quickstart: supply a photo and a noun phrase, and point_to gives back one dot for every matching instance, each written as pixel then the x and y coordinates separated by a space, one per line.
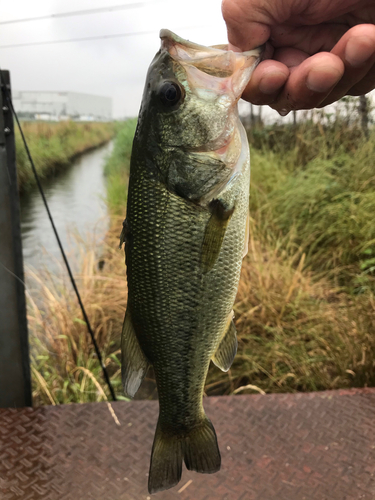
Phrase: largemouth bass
pixel 185 237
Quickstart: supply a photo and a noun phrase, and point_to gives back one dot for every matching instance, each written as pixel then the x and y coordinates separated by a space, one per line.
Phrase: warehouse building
pixel 35 105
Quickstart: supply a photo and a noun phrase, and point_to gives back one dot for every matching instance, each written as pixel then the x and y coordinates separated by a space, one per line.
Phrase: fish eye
pixel 170 94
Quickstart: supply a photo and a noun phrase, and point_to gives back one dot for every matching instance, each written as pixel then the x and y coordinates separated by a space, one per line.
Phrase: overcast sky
pixel 110 67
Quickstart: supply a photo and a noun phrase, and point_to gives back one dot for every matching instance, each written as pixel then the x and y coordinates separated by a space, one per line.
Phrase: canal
pixel 76 197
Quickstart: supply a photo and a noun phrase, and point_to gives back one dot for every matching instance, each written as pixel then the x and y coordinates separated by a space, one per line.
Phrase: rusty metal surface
pixel 317 446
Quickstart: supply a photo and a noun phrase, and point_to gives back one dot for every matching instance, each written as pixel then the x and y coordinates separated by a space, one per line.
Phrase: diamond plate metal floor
pixel 317 446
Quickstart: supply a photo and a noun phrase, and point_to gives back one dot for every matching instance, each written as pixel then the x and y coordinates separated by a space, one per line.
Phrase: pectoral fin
pixel 214 234
pixel 225 353
pixel 134 364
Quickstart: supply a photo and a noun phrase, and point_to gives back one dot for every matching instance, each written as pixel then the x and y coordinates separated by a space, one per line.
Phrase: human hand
pixel 316 52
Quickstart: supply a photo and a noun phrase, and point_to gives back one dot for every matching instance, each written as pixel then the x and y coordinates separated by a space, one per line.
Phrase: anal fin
pixel 134 364
pixel 226 351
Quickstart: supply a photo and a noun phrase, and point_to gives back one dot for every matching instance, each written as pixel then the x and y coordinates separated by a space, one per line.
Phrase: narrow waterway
pixel 76 197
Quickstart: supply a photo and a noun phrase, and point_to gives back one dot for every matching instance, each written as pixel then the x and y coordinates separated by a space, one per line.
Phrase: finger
pixel 290 57
pixel 357 51
pixel 266 82
pixel 310 83
pixel 270 76
pixel 310 39
pixel 249 21
pixel 363 87
pixel 247 26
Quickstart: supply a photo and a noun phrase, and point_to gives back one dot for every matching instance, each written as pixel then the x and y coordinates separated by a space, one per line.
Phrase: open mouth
pixel 214 69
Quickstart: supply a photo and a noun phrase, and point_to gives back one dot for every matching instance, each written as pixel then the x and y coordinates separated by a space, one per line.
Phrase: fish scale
pixel 185 240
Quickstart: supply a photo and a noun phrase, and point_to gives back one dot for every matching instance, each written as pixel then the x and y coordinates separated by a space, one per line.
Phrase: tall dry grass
pixel 296 330
pixel 65 367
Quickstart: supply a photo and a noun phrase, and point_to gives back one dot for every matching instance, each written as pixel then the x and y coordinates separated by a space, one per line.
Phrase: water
pixel 76 200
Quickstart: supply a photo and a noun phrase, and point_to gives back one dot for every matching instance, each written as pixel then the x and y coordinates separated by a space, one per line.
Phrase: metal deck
pixel 316 446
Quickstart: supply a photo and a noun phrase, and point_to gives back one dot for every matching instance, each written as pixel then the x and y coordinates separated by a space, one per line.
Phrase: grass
pixel 305 306
pixel 54 145
pixel 117 168
pixel 323 203
pixel 296 330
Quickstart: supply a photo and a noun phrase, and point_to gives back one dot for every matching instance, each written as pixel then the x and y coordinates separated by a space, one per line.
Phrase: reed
pixel 296 330
pixel 65 368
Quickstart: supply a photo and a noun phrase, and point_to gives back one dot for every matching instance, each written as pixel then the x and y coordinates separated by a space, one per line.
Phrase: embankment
pixel 55 145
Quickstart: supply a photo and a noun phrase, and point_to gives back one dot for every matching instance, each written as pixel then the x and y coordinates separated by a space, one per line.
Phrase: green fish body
pixel 185 238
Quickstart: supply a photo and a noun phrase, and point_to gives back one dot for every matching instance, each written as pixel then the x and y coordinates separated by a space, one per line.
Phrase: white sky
pixel 110 67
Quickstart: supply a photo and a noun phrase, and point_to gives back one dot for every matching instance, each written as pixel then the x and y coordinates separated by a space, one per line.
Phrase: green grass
pixel 325 204
pixel 117 167
pixel 304 310
pixel 54 145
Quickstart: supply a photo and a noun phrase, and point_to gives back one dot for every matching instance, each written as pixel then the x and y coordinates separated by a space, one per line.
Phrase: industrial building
pixel 40 105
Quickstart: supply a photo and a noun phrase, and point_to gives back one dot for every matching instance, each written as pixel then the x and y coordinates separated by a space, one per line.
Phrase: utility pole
pixel 15 380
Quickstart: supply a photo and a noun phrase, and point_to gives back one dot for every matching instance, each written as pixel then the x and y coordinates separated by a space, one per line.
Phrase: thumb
pixel 247 27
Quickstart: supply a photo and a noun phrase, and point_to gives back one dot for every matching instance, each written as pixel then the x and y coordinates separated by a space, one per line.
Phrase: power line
pixel 89 38
pixel 78 12
pixel 50 42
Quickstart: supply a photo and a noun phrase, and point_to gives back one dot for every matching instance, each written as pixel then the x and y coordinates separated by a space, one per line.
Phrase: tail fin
pixel 198 448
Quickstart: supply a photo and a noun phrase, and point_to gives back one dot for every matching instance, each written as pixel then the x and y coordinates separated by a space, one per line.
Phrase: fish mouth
pixel 213 70
pixel 185 49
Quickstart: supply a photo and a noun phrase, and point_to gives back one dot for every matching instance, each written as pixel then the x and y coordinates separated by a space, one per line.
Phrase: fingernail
pixel 272 81
pixel 322 79
pixel 358 50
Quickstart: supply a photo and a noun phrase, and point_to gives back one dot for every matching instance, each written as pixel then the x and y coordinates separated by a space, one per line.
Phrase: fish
pixel 186 232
